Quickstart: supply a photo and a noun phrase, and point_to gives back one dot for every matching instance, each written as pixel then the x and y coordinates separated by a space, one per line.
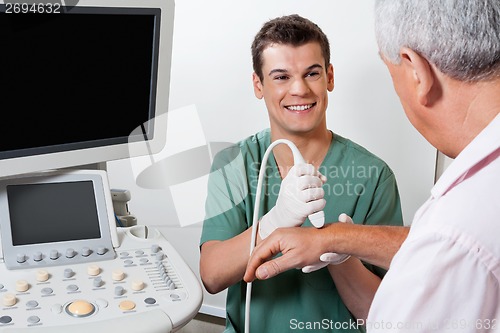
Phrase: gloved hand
pixel 329 257
pixel 301 194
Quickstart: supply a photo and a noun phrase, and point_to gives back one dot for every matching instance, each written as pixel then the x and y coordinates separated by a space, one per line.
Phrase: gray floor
pixel 204 324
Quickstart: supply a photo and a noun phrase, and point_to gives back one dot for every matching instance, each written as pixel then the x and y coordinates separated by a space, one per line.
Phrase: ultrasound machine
pixel 76 80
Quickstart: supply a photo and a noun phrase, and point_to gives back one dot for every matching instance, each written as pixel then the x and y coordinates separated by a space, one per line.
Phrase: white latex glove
pixel 301 194
pixel 329 257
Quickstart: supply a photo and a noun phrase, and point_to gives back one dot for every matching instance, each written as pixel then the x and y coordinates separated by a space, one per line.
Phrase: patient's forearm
pixel 376 245
pixel 300 247
pixel 223 263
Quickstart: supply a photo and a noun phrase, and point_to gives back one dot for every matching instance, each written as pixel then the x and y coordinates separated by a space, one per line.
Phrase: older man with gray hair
pixel 444 59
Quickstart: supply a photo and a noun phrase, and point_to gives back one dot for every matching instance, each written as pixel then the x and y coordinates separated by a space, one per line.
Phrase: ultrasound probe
pixel 317 219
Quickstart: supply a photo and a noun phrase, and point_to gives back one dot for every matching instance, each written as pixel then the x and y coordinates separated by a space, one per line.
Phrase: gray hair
pixel 460 37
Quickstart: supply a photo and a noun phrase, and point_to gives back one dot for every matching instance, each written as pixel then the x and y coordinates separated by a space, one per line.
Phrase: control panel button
pixel 126 305
pixel 177 296
pixel 5 319
pixel 159 256
pixel 68 273
pixel 54 254
pixel 31 304
pixel 70 253
pixel 98 282
pixel 101 303
pixel 171 285
pixel 150 301
pixel 118 275
pixel 21 258
pixel 93 270
pixel 101 250
pixel 22 286
pixel 47 291
pixel 155 248
pixel 9 300
pixel 42 275
pixel 80 309
pixel 38 256
pixel 33 319
pixel 137 285
pixel 119 291
pixel 72 288
pixel 86 252
pixel 56 308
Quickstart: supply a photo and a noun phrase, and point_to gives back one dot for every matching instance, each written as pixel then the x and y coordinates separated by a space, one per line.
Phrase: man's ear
pixel 257 86
pixel 421 75
pixel 330 78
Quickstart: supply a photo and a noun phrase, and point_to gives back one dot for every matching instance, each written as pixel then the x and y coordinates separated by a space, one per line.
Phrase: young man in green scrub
pixel 293 74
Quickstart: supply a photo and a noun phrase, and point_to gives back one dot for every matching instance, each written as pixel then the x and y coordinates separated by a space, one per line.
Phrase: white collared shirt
pixel 446 276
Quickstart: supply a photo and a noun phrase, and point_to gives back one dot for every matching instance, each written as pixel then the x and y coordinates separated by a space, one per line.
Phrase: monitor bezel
pixel 40 160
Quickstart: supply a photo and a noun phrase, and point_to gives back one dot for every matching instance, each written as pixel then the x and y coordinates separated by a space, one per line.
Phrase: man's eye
pixel 314 75
pixel 281 77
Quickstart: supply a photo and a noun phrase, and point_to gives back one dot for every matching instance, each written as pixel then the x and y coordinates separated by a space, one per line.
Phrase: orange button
pixel 81 308
pixel 127 305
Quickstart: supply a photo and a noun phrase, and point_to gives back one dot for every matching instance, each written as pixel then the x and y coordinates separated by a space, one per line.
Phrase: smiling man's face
pixel 295 88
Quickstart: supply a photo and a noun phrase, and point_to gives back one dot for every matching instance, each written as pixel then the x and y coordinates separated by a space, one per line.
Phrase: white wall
pixel 211 71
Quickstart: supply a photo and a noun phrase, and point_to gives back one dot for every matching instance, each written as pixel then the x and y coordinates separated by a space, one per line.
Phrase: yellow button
pixel 93 270
pixel 81 308
pixel 22 285
pixel 117 275
pixel 127 305
pixel 9 300
pixel 42 275
pixel 137 285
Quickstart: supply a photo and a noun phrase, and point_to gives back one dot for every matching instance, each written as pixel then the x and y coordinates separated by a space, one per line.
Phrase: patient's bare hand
pixel 300 246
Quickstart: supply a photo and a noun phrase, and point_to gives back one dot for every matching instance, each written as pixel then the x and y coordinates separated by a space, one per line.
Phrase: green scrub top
pixel 358 184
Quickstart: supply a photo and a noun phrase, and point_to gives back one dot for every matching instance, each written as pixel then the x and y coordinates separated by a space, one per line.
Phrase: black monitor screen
pixel 52 212
pixel 79 79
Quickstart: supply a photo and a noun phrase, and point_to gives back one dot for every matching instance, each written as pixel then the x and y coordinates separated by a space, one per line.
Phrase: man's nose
pixel 299 87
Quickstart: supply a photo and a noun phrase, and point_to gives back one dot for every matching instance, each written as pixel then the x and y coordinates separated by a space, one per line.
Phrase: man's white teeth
pixel 299 107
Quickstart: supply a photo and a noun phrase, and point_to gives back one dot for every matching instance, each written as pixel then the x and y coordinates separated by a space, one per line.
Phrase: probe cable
pixel 317 219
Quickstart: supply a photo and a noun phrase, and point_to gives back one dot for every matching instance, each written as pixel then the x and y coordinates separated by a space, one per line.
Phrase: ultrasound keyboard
pixel 66 267
pixel 146 288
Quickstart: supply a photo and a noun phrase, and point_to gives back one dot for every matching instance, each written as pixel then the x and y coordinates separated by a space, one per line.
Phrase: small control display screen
pixel 52 212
